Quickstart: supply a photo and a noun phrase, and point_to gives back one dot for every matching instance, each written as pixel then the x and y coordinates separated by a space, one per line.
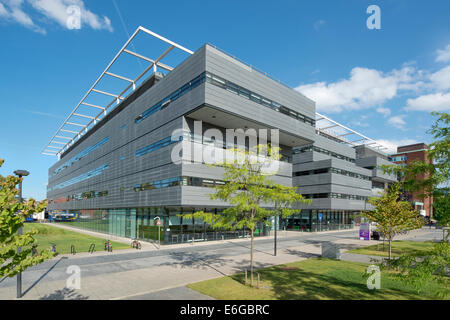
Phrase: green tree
pixel 428 179
pixel 424 177
pixel 393 216
pixel 420 268
pixel 253 197
pixel 441 209
pixel 12 216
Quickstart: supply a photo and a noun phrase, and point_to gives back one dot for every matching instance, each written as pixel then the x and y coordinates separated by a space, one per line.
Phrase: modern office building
pixel 116 171
pixel 339 178
pixel 406 155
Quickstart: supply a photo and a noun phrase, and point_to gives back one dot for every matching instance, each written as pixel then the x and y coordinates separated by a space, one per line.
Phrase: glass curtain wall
pixel 320 220
pixel 140 223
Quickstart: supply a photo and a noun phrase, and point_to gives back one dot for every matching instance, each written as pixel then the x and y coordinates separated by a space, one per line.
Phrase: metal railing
pixel 317 227
pixel 175 238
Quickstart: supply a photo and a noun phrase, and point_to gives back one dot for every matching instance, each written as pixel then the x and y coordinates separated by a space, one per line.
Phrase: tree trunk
pixel 251 258
pixel 390 248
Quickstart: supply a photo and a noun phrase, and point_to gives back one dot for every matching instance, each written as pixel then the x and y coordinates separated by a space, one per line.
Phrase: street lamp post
pixel 20 174
pixel 158 223
pixel 275 237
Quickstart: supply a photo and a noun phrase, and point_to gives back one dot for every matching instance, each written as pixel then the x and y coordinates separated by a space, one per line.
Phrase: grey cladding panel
pixel 234 71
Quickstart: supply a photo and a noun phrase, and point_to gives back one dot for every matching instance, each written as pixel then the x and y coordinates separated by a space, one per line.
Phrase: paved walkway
pixel 156 273
pixel 177 293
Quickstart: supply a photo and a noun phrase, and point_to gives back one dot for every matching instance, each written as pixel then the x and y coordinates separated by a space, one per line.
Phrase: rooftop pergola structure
pixel 72 128
pixel 343 134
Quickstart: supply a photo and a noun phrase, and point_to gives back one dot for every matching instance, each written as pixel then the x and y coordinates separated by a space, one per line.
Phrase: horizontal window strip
pixel 157 145
pixel 179 181
pixel 333 195
pixel 223 144
pixel 333 170
pixel 80 156
pixel 323 151
pixel 171 97
pixel 80 196
pixel 245 93
pixel 229 86
pixel 82 177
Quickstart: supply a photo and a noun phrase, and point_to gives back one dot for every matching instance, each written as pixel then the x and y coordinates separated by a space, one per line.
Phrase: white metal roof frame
pixel 357 138
pixel 62 146
pixel 71 136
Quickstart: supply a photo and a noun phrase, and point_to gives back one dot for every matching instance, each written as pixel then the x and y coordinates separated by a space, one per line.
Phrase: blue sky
pixel 382 83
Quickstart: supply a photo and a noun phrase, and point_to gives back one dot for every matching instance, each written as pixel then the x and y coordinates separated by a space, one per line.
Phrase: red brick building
pixel 405 155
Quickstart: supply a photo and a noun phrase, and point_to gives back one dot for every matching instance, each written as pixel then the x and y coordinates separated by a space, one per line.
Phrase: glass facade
pixel 321 220
pixel 140 223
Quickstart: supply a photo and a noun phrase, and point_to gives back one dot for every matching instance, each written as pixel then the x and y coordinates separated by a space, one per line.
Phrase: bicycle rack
pixel 72 249
pixel 92 248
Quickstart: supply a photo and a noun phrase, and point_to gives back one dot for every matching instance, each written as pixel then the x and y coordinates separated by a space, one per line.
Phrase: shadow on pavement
pixel 42 277
pixel 301 254
pixel 64 294
pixel 248 247
pixel 197 261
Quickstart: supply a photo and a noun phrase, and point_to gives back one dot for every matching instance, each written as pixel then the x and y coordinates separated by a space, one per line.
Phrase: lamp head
pixel 21 173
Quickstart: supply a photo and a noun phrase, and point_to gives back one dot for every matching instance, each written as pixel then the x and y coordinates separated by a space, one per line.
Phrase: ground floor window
pixel 321 220
pixel 141 223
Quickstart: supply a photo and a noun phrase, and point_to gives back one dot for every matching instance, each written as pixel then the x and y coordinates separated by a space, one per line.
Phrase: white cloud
pixel 397 121
pixel 362 122
pixel 429 102
pixel 443 55
pixel 441 78
pixel 392 145
pixel 45 114
pixel 57 10
pixel 11 10
pixel 364 88
pixel 3 11
pixel 386 112
pixel 54 11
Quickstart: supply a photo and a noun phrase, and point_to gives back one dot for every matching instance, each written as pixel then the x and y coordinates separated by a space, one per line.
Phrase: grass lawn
pixel 63 239
pixel 310 279
pixel 398 248
pixel 96 225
